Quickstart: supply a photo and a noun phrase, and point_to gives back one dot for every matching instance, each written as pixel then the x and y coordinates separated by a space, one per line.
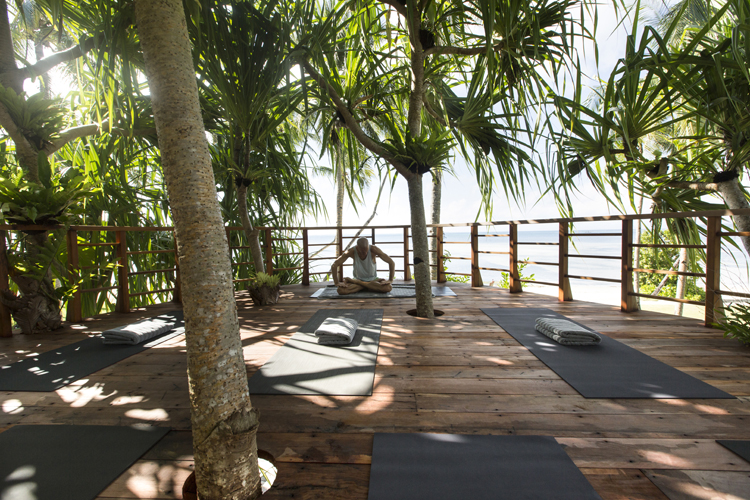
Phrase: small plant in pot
pixel 264 289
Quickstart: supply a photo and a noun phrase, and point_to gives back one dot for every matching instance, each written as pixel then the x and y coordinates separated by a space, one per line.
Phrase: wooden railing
pixel 299 237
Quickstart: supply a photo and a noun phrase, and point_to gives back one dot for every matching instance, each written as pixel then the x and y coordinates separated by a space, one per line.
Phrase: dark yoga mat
pixel 302 366
pixel 69 462
pixel 608 370
pixel 741 448
pixel 454 466
pixel 57 368
pixel 398 292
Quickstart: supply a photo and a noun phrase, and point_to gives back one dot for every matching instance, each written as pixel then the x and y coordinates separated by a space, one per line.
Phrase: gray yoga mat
pixel 399 292
pixel 57 368
pixel 741 448
pixel 610 369
pixel 455 466
pixel 69 462
pixel 302 366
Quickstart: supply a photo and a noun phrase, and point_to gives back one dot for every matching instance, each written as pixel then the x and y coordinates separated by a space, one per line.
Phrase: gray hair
pixel 363 243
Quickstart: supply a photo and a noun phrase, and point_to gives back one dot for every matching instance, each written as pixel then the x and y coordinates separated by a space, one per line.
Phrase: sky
pixel 461 197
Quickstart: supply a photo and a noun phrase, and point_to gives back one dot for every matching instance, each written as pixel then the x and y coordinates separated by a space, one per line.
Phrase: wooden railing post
pixel 628 302
pixel 6 322
pixel 514 277
pixel 373 237
pixel 713 271
pixel 339 251
pixel 123 289
pixel 305 259
pixel 439 257
pixel 564 292
pixel 476 276
pixel 177 281
pixel 407 273
pixel 74 314
pixel 269 251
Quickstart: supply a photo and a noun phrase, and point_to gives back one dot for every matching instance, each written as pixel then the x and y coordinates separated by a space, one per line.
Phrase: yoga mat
pixel 57 368
pixel 69 462
pixel 608 370
pixel 302 366
pixel 741 448
pixel 399 291
pixel 454 466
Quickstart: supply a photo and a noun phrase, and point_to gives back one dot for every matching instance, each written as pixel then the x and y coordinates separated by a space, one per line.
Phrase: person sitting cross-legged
pixel 365 269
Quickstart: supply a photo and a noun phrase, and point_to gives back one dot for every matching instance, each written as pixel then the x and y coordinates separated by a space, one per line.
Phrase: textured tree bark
pixel 251 233
pixel 681 281
pixel 421 254
pixel 437 188
pixel 8 77
pixel 223 420
pixel 340 187
pixel 734 198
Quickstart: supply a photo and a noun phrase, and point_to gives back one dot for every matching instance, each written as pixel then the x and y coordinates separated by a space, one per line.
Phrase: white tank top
pixel 364 269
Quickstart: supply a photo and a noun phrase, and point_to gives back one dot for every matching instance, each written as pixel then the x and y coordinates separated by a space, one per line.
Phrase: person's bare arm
pixel 338 263
pixel 391 265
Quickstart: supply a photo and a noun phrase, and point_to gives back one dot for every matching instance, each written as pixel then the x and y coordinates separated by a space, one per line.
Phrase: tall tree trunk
pixel 223 420
pixel 251 233
pixel 437 188
pixel 8 66
pixel 340 189
pixel 421 253
pixel 734 198
pixel 681 281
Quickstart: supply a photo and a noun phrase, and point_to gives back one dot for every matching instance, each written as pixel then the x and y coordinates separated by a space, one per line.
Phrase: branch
pixel 74 133
pixel 44 65
pixel 432 112
pixel 351 123
pixel 399 7
pixel 461 51
pixel 27 155
pixel 698 186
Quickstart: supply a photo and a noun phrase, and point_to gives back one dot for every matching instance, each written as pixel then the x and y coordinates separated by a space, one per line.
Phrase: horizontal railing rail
pixel 297 245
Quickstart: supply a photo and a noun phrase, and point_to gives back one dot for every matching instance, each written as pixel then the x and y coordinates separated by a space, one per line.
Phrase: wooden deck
pixel 460 373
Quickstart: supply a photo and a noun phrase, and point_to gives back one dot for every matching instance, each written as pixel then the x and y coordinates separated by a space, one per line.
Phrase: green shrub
pixel 737 322
pixel 262 279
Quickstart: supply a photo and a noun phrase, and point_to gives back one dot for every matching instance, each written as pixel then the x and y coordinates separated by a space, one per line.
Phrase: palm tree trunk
pixel 681 281
pixel 421 253
pixel 223 419
pixel 340 188
pixel 437 188
pixel 251 233
pixel 734 198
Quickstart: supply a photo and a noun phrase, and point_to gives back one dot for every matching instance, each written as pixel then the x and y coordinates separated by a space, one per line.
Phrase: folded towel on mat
pixel 138 332
pixel 566 332
pixel 336 331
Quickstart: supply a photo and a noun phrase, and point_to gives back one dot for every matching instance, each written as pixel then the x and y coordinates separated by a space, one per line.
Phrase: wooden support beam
pixel 123 269
pixel 407 273
pixel 6 322
pixel 305 259
pixel 628 302
pixel 476 276
pixel 514 278
pixel 74 314
pixel 564 292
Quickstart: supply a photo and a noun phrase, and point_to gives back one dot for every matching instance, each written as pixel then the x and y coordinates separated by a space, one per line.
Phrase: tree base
pixel 413 312
pixel 33 312
pixel 265 295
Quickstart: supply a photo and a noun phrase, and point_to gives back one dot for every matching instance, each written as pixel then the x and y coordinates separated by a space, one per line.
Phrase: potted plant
pixel 264 289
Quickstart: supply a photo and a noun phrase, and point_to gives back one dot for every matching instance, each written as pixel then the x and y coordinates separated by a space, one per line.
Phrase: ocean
pixel 734 262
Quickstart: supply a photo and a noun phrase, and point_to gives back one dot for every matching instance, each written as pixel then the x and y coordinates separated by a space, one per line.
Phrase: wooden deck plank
pixel 460 373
